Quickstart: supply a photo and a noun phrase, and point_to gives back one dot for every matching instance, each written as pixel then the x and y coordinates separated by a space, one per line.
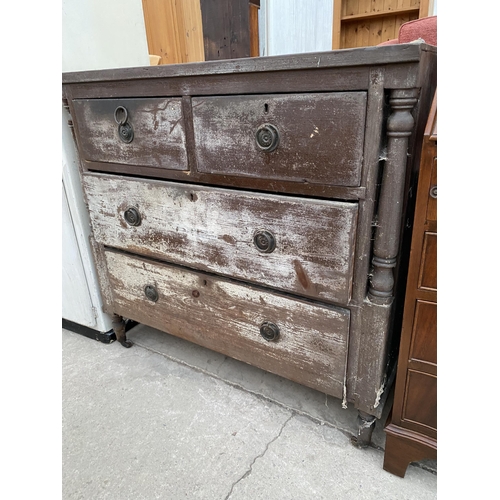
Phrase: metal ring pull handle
pixel 121 115
pixel 433 193
pixel 267 137
pixel 125 130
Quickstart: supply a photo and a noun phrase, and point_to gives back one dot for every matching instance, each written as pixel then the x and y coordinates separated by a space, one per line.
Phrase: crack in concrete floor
pixel 249 471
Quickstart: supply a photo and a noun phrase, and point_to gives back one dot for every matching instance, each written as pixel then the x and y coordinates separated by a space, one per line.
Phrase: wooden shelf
pixel 367 23
pixel 385 13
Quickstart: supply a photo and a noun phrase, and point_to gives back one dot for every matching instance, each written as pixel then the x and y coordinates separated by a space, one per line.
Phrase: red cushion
pixel 425 28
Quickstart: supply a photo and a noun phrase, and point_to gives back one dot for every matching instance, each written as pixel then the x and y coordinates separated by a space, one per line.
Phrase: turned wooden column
pixel 388 225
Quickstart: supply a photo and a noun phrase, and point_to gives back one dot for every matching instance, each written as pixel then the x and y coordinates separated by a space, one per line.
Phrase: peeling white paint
pixel 379 394
pixel 213 229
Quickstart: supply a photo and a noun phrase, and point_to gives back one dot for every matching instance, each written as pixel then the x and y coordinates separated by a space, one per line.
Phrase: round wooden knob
pixel 151 293
pixel 126 132
pixel 267 138
pixel 264 241
pixel 270 331
pixel 132 216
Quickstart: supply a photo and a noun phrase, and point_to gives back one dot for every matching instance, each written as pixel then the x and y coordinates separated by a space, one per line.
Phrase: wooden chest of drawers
pixel 257 206
pixel 412 431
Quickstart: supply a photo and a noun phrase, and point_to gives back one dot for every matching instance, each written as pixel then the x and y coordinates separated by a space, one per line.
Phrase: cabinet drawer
pixel 226 232
pixel 432 199
pixel 428 266
pixel 311 343
pixel 420 406
pixel 423 345
pixel 157 126
pixel 318 137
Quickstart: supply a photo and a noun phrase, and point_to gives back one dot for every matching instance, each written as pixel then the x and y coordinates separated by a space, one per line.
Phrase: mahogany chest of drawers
pixel 257 206
pixel 412 431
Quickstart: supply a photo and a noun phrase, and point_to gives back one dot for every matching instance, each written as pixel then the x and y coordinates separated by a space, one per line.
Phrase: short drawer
pixel 432 199
pixel 314 138
pixel 428 266
pixel 420 405
pixel 297 245
pixel 144 132
pixel 423 345
pixel 298 340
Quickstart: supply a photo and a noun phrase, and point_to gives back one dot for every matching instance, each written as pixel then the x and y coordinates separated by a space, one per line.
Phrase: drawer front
pixel 157 137
pixel 428 266
pixel 231 232
pixel 310 345
pixel 432 200
pixel 420 406
pixel 318 137
pixel 424 334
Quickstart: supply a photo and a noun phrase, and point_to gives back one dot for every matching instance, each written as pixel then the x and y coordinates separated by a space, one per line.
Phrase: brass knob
pixel 151 293
pixel 267 138
pixel 270 331
pixel 264 241
pixel 132 216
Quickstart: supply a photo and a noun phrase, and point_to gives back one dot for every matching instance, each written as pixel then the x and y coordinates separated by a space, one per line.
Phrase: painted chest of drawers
pixel 258 206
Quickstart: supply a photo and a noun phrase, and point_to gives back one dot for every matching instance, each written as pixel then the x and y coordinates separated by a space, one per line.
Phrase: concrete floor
pixel 167 419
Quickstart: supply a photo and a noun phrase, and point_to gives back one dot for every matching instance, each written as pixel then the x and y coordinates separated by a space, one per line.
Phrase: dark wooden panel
pixel 226 28
pixel 159 139
pixel 321 136
pixel 329 79
pixel 424 336
pixel 421 399
pixel 432 202
pixel 249 183
pixel 226 316
pixel 370 56
pixel 213 229
pixel 428 268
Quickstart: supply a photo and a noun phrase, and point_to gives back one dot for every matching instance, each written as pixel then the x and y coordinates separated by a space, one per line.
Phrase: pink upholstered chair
pixel 424 28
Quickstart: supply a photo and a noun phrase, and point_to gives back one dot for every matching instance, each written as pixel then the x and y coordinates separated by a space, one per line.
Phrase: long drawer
pixel 313 138
pixel 297 245
pixel 147 132
pixel 299 340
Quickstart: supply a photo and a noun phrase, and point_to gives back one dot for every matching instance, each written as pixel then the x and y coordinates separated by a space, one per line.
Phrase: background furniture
pixel 199 30
pixel 362 23
pixel 81 297
pixel 90 41
pixel 257 206
pixel 230 28
pixel 412 431
pixel 421 29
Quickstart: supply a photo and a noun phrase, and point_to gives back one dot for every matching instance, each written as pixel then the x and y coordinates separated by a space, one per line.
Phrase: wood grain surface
pixel 226 316
pixel 321 136
pixel 159 138
pixel 213 229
